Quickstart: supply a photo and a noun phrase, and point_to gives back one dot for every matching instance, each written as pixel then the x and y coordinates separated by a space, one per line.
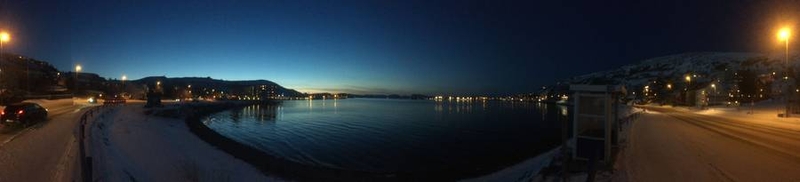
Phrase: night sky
pixel 402 47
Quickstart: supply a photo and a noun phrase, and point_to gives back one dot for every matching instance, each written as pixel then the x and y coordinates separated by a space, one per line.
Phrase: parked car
pixel 114 99
pixel 24 113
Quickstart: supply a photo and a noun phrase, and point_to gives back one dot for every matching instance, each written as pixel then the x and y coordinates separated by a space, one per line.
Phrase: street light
pixel 124 77
pixel 713 95
pixel 783 35
pixel 78 69
pixel 686 89
pixel 4 37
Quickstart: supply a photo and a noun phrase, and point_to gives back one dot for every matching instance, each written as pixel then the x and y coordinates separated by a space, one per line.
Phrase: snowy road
pixel 672 145
pixel 45 151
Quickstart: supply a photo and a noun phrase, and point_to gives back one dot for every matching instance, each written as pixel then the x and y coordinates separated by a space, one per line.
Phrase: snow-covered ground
pixel 765 112
pixel 523 171
pixel 129 144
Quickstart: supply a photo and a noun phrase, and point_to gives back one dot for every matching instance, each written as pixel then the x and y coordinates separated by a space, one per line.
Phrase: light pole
pixel 714 94
pixel 4 37
pixel 123 83
pixel 78 69
pixel 686 90
pixel 783 35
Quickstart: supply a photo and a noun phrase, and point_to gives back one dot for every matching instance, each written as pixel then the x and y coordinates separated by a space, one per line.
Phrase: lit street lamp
pixel 78 69
pixel 4 37
pixel 783 35
pixel 124 77
pixel 688 79
pixel 713 95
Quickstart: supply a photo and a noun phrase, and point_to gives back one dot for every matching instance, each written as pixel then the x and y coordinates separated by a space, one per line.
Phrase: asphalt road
pixel 673 145
pixel 42 152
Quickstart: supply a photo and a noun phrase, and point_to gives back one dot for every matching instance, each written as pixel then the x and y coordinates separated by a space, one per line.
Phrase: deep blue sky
pixel 442 47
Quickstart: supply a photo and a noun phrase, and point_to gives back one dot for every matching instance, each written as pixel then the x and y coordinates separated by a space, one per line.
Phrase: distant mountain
pixel 208 82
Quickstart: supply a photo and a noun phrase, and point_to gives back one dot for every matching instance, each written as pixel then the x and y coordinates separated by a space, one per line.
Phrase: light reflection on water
pixel 395 135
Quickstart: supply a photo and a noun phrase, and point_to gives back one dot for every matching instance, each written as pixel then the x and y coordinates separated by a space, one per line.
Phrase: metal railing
pixel 84 138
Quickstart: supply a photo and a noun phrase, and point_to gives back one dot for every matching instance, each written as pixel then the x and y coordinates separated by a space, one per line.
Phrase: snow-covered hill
pixel 708 65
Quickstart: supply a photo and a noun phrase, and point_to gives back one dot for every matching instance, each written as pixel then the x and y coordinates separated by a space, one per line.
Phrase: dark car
pixel 23 113
pixel 114 99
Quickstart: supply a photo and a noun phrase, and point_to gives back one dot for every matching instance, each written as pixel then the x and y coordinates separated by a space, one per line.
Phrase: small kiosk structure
pixel 595 122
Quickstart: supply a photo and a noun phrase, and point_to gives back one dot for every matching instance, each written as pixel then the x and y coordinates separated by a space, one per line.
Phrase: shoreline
pixel 287 169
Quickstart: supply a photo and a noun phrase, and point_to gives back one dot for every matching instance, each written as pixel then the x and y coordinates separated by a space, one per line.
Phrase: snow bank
pixel 523 171
pixel 626 111
pixel 130 145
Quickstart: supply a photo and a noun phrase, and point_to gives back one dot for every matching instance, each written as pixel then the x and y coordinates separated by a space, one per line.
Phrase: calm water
pixel 387 135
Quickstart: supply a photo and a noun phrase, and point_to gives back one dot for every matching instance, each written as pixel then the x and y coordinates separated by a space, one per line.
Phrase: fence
pixel 84 159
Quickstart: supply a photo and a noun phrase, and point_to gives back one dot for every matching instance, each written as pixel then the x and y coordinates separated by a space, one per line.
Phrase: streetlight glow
pixel 5 37
pixel 124 77
pixel 688 78
pixel 784 34
pixel 78 68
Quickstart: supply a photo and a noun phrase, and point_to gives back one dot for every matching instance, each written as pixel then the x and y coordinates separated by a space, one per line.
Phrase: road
pixel 672 145
pixel 42 152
